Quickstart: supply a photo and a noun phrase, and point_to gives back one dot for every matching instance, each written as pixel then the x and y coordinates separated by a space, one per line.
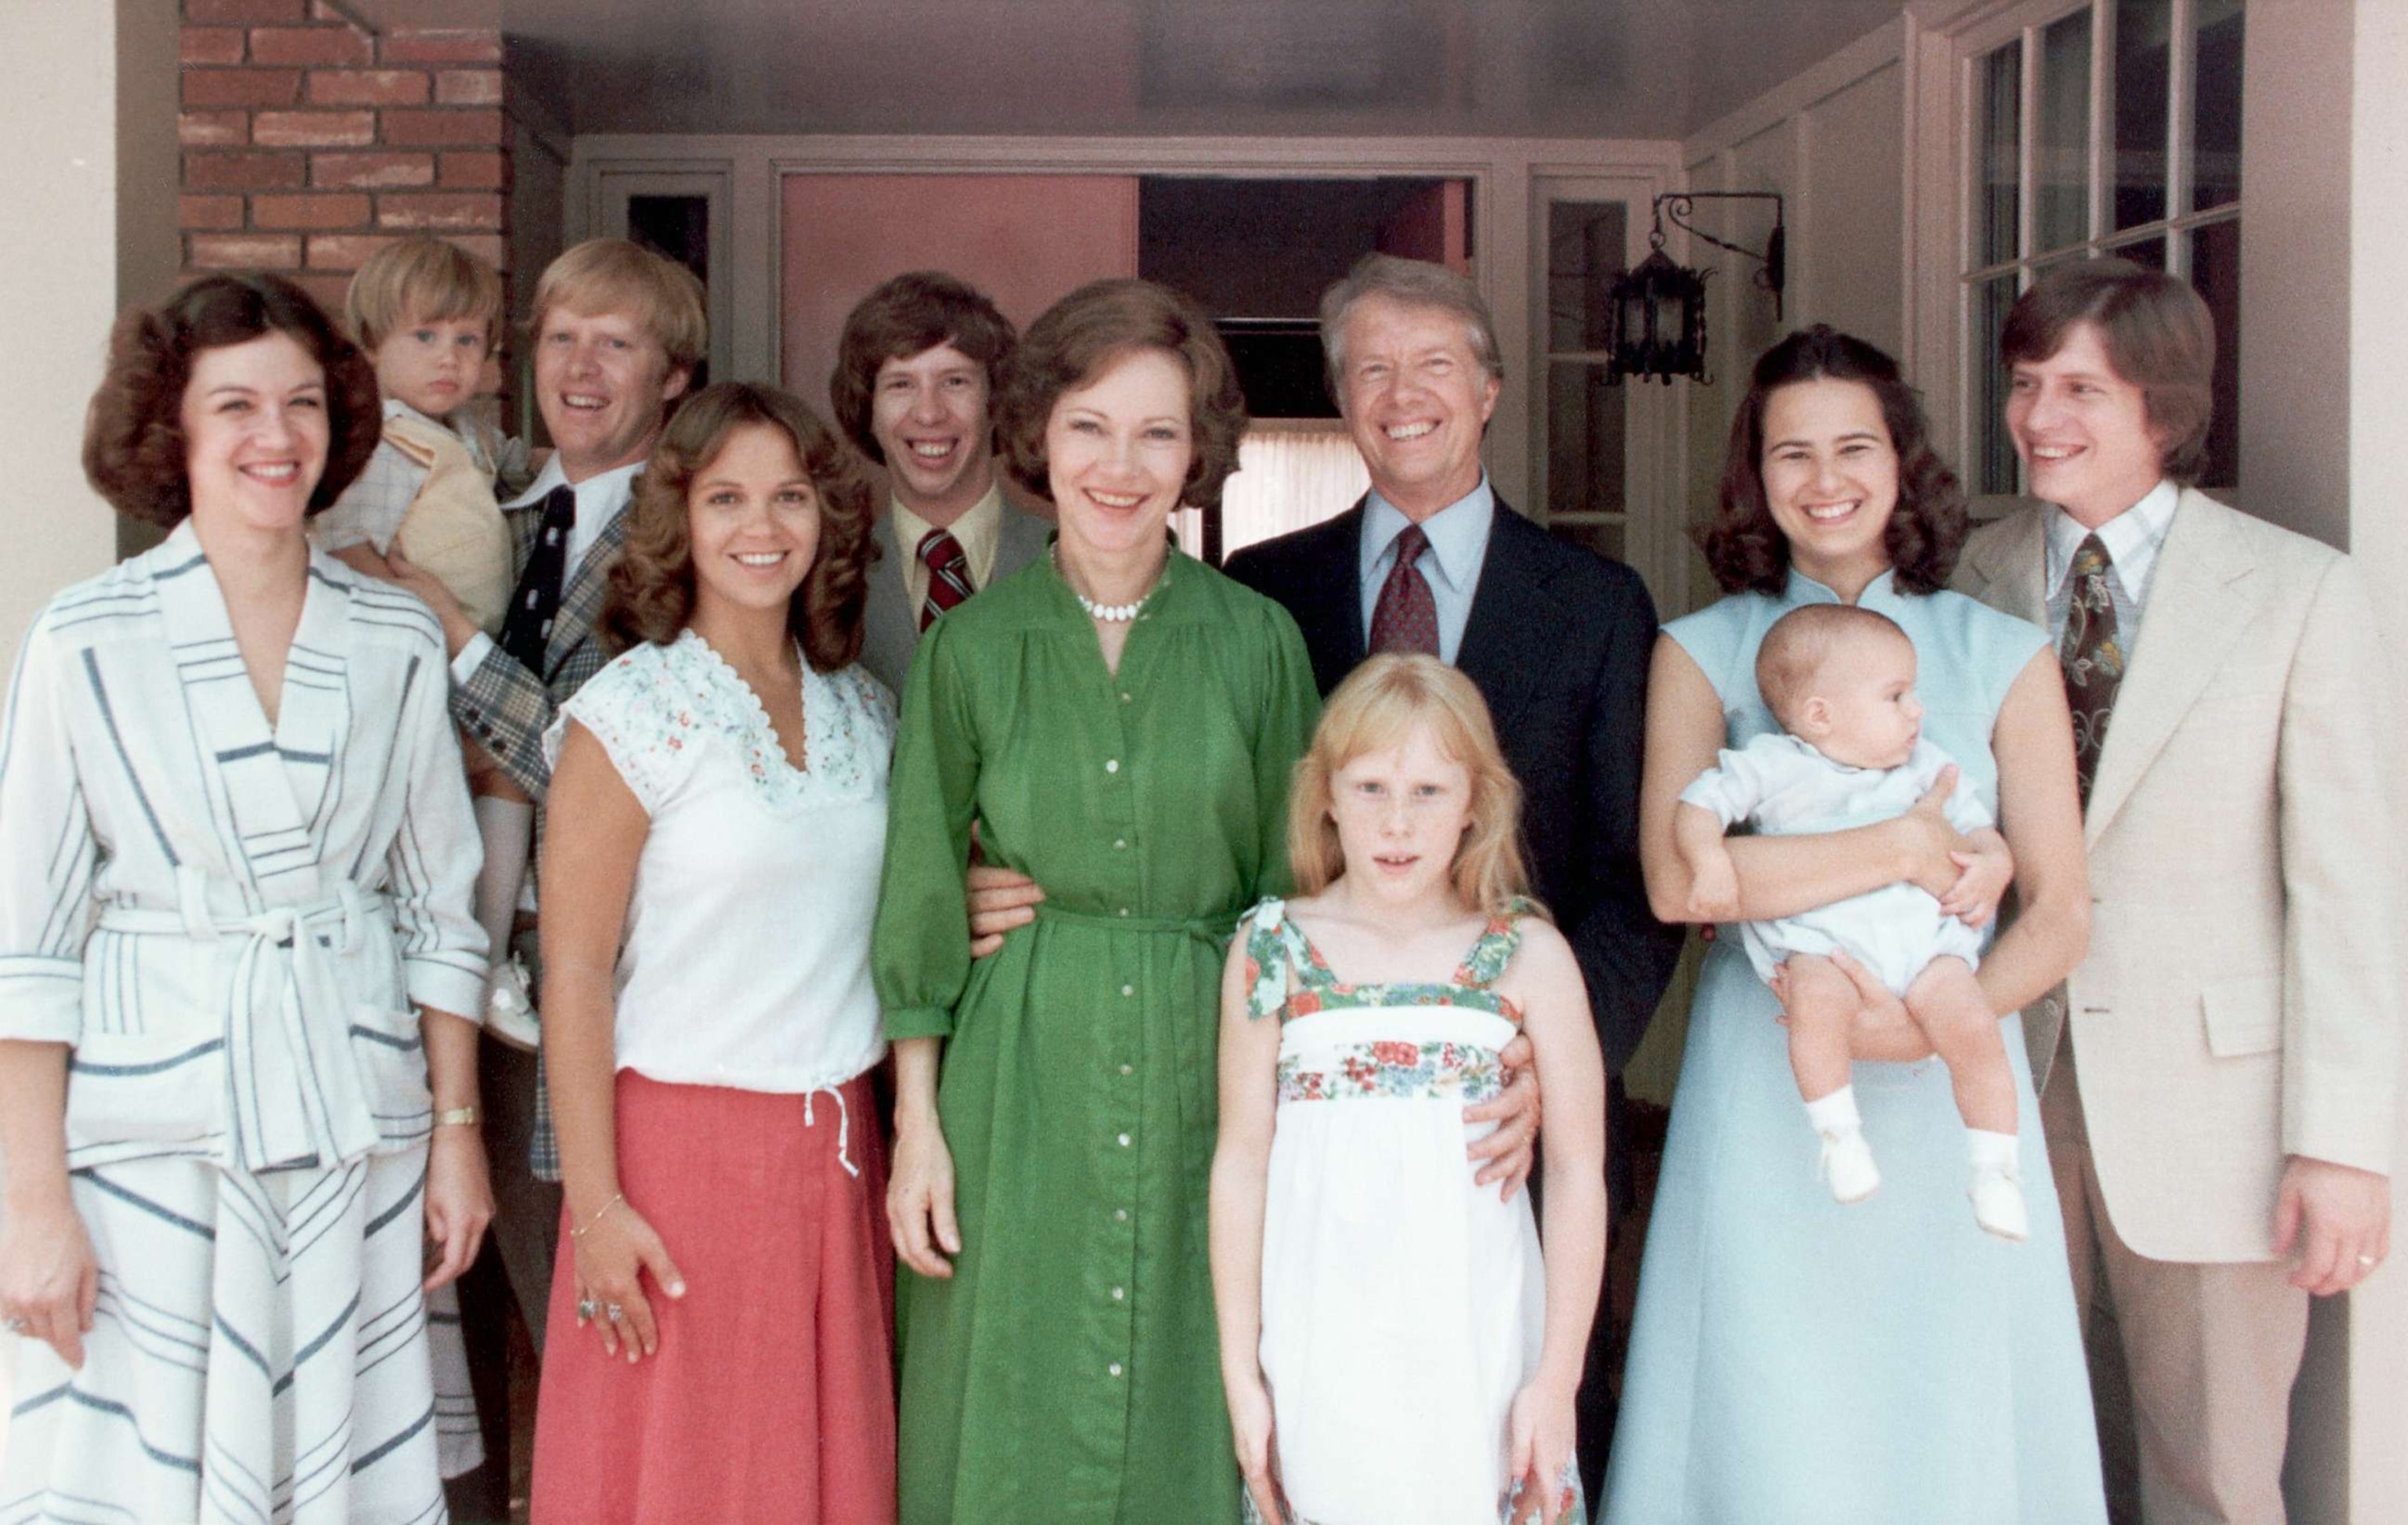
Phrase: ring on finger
pixel 613 1312
pixel 586 1309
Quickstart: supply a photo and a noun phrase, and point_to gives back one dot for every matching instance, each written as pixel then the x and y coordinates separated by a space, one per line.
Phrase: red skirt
pixel 772 1395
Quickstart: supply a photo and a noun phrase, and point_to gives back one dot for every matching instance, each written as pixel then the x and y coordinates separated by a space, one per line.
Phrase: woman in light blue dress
pixel 1795 1361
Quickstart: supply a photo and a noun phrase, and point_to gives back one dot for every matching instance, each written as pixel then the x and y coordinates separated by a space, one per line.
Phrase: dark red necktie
pixel 949 574
pixel 1406 618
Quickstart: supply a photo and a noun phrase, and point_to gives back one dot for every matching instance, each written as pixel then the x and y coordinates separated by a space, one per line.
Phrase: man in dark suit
pixel 1556 639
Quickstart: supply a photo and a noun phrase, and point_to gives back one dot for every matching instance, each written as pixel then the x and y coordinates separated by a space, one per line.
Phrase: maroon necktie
pixel 1406 618
pixel 949 574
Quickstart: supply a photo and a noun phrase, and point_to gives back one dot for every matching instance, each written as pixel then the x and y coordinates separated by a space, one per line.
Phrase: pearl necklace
pixel 1109 613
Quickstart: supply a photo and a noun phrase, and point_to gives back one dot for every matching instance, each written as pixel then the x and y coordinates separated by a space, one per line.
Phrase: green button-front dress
pixel 1069 1369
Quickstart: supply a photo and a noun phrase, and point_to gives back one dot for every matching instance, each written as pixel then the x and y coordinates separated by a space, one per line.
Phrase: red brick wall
pixel 309 141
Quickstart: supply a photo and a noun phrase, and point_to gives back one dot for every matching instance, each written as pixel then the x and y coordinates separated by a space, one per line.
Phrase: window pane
pixel 1583 439
pixel 1999 78
pixel 677 227
pixel 2216 271
pixel 2143 88
pixel 1585 244
pixel 2062 150
pixel 2215 105
pixel 1992 467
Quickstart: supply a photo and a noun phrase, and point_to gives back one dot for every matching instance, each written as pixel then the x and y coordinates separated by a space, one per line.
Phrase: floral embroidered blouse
pixel 746 957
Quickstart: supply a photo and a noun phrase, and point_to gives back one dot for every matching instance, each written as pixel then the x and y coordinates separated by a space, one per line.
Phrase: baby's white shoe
pixel 1847 1165
pixel 510 1016
pixel 1997 1194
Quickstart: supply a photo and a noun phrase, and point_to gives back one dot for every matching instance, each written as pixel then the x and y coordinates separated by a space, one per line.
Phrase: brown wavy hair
pixel 908 316
pixel 134 445
pixel 652 586
pixel 1374 710
pixel 1080 337
pixel 2158 334
pixel 1744 548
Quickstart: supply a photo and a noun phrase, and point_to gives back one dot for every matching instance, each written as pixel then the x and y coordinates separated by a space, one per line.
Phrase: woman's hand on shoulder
pixel 920 1198
pixel 49 1278
pixel 615 1247
pixel 459 1200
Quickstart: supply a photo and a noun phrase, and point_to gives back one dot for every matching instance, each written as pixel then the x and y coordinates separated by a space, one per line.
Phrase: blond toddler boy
pixel 427 312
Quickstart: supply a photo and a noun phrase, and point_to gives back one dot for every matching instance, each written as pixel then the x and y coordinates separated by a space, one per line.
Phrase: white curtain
pixel 1291 473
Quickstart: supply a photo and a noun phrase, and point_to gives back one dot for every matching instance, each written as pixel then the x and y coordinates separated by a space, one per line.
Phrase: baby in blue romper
pixel 1841 680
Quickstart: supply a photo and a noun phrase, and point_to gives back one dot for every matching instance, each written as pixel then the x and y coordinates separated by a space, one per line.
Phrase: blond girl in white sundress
pixel 1393 1346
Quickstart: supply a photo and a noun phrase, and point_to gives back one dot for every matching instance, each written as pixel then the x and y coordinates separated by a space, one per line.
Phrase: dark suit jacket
pixel 1559 643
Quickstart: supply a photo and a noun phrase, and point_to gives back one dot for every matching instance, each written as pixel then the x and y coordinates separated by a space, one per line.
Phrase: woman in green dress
pixel 1119 721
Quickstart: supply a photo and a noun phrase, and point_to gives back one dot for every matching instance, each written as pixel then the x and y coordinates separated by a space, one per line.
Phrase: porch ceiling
pixel 1578 69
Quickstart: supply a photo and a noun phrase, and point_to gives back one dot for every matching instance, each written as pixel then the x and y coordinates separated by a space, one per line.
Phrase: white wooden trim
pixel 613 182
pixel 2182 68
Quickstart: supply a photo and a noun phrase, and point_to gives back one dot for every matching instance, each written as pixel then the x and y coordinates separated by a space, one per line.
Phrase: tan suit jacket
pixel 2241 998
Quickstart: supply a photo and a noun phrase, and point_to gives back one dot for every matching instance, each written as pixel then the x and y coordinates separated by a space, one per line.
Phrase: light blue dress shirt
pixel 1458 543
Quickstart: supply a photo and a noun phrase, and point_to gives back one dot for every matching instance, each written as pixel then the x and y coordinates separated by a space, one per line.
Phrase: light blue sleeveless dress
pixel 1798 1363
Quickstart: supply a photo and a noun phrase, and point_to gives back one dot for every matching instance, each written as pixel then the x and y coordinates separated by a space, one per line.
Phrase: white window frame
pixel 611 184
pixel 1947 52
pixel 1654 541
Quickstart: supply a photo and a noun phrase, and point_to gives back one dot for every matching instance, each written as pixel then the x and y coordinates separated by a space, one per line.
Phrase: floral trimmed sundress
pixel 1402 1305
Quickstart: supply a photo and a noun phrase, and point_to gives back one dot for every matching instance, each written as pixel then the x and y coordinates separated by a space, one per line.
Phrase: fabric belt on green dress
pixel 1198 1042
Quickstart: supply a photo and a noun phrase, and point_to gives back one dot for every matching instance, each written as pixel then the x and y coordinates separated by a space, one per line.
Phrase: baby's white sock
pixel 1836 1112
pixel 506 826
pixel 1993 1151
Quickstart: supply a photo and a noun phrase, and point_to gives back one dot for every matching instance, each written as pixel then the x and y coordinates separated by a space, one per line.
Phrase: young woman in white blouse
pixel 717 813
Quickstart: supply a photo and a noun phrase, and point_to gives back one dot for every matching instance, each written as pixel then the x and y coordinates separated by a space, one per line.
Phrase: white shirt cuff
pixel 471 657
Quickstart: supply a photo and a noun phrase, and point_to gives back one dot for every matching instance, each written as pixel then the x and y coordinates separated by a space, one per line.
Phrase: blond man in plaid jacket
pixel 618 332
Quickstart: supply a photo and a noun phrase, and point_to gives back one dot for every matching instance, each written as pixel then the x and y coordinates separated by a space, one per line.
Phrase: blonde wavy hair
pixel 1376 708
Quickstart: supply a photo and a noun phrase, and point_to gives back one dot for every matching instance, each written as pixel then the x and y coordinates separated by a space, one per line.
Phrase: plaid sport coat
pixel 507 709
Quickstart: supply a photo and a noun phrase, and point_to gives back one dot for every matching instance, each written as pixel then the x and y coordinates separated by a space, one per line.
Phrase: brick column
pixel 309 141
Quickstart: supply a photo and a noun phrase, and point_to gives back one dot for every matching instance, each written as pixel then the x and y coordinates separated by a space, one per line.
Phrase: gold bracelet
pixel 457 1117
pixel 575 1232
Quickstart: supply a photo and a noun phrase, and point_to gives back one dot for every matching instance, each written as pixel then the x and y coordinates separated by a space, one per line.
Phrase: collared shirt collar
pixel 1459 535
pixel 2132 538
pixel 600 499
pixel 979 530
pixel 396 407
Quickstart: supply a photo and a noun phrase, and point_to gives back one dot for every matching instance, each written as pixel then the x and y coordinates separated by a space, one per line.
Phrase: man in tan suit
pixel 2220 1073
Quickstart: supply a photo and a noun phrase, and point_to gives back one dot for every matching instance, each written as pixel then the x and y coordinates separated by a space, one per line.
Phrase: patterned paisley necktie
pixel 1405 618
pixel 2092 656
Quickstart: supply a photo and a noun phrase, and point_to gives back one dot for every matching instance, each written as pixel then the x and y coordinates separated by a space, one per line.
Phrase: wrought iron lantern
pixel 1658 309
